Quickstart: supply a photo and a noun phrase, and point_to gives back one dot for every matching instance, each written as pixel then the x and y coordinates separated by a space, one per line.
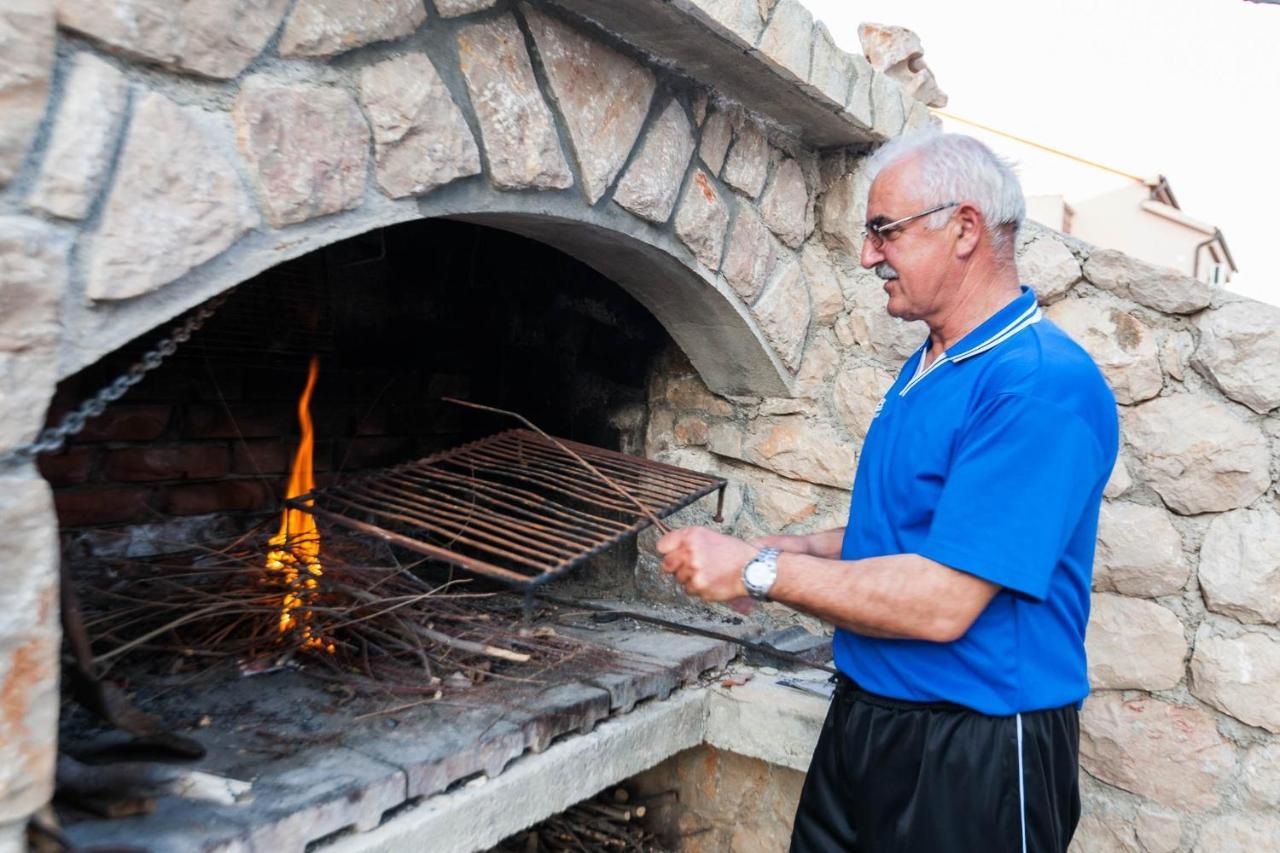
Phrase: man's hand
pixel 706 563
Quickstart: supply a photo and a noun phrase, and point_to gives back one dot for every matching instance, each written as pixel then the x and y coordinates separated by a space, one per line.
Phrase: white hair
pixel 959 168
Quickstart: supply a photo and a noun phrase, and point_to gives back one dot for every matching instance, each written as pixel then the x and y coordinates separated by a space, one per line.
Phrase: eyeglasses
pixel 877 231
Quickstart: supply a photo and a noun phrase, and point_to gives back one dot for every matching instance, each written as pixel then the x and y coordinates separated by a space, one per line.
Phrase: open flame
pixel 294 558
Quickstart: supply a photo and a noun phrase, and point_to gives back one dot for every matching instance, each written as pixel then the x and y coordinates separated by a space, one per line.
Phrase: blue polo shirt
pixel 991 460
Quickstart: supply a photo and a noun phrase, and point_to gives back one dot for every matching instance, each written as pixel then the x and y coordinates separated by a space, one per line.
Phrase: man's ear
pixel 968 220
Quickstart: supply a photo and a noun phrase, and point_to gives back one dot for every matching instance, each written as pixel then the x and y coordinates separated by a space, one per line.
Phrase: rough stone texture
pixel 788 38
pixel 748 162
pixel 1133 645
pixel 458 8
pixel 897 52
pixel 1122 345
pixel 857 396
pixel 1240 352
pixel 742 18
pixel 306 147
pixel 420 137
pixel 702 220
pixel 783 313
pixel 753 253
pixel 1261 776
pixel 602 95
pixel 785 204
pixel 869 324
pixel 781 503
pixel 28 647
pixel 890 113
pixel 1240 565
pixel 26 64
pixel 832 71
pixel 1048 266
pixel 33 279
pixel 176 202
pixel 1238 675
pixel 1197 455
pixel 717 133
pixel 859 106
pixel 1120 482
pixel 842 212
pixel 78 152
pixel 1161 289
pixel 516 129
pixel 1139 551
pixel 1175 350
pixel 1240 833
pixel 191 36
pixel 1104 829
pixel 825 295
pixel 330 27
pixel 1158 831
pixel 1170 753
pixel 652 182
pixel 793 447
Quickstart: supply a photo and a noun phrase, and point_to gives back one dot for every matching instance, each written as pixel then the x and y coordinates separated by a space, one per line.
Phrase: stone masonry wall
pixel 154 154
pixel 1181 737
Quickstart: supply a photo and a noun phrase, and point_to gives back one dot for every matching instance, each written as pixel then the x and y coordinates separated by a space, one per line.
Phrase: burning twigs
pixel 369 619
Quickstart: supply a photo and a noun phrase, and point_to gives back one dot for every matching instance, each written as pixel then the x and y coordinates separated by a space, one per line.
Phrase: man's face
pixel 913 261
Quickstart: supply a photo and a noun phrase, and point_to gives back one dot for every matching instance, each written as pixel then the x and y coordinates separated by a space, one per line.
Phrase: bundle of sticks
pixel 364 617
pixel 597 825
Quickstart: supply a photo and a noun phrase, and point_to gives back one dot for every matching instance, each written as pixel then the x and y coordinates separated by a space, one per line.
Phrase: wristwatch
pixel 759 574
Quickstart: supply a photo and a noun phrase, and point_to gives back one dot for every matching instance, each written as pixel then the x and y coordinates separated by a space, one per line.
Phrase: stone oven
pixel 637 223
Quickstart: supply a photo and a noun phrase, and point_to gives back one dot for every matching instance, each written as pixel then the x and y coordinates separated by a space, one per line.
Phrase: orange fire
pixel 295 554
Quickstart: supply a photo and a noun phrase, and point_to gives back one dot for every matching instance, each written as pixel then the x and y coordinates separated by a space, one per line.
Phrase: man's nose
pixel 870 254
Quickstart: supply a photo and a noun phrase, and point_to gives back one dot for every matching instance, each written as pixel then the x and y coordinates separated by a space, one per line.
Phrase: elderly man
pixel 960 587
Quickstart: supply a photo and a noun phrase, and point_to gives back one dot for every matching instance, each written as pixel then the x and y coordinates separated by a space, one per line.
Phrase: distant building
pixel 1108 207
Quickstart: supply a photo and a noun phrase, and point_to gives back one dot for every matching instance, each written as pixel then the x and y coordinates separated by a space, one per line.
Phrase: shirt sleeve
pixel 1023 473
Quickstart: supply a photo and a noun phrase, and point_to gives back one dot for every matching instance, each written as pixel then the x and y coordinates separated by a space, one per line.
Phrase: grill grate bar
pixel 514 506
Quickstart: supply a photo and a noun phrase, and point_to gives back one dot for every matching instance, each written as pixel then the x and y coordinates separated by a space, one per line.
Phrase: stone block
pixel 786 204
pixel 887 106
pixel 1139 551
pixel 83 138
pixel 799 450
pixel 783 312
pixel 172 170
pixel 27 38
pixel 753 254
pixel 688 393
pixel 781 503
pixel 421 139
pixel 1162 289
pixel 842 212
pixel 1260 776
pixel 826 296
pixel 787 41
pixel 740 18
pixel 330 27
pixel 516 128
pixel 1120 482
pixel 898 54
pixel 832 70
pixel 1237 673
pixel 652 181
pixel 29 646
pixel 1197 454
pixel 1133 645
pixel 603 97
pixel 859 105
pixel 220 496
pixel 33 281
pixel 1170 753
pixel 1123 347
pixel 717 133
pixel 1240 352
pixel 1239 833
pixel 1047 265
pixel 306 147
pixel 1240 565
pixel 702 219
pixel 82 508
pixel 458 8
pixel 67 467
pixel 871 325
pixel 748 162
pixel 218 38
pixel 857 396
pixel 183 462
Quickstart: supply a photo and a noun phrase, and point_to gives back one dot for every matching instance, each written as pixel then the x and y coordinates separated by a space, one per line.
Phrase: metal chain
pixel 51 439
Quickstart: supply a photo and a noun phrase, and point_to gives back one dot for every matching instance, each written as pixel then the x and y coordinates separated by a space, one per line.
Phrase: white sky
pixel 1185 88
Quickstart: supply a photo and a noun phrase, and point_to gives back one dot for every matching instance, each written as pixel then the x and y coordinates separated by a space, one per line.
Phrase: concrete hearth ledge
pixel 760 719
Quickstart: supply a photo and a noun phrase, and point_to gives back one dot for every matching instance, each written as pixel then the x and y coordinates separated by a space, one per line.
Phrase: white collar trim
pixel 1027 318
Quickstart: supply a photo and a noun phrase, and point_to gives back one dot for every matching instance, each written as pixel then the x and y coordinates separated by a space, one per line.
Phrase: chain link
pixel 51 439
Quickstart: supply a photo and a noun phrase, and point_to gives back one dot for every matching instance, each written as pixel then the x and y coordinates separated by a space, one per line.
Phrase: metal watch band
pixel 759 581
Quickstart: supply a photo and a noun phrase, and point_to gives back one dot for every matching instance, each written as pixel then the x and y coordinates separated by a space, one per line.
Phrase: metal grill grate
pixel 513 506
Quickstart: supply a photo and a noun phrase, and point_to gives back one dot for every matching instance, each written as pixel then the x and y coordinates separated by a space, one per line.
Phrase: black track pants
pixel 900 777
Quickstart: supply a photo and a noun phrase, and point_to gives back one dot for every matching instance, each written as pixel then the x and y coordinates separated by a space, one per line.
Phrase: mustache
pixel 885 271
